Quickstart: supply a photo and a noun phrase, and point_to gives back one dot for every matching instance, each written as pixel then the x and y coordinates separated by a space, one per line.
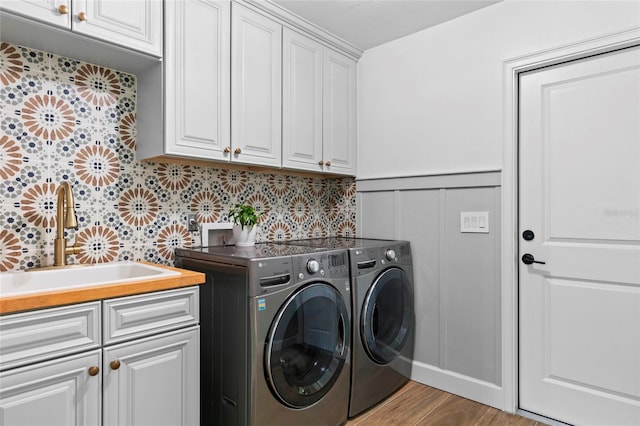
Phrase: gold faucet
pixel 65 219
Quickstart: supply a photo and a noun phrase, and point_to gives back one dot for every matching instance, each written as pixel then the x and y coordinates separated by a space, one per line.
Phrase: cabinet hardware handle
pixel 328 163
pixel 227 150
pixel 82 16
pixel 93 370
pixel 63 9
pixel 320 163
pixel 237 151
pixel 114 364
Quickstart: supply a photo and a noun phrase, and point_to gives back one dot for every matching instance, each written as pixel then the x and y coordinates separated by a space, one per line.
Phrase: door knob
pixel 114 364
pixel 528 259
pixel 237 151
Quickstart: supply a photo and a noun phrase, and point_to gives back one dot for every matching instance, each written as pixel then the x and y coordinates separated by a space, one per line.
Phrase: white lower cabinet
pixel 146 372
pixel 59 392
pixel 153 381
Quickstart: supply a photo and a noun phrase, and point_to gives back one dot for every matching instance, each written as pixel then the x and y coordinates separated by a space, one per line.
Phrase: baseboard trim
pixel 458 384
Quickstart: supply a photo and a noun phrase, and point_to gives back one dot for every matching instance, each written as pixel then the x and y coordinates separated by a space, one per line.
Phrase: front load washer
pixel 383 316
pixel 275 327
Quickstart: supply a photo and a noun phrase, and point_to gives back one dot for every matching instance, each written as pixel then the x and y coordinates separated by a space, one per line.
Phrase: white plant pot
pixel 244 236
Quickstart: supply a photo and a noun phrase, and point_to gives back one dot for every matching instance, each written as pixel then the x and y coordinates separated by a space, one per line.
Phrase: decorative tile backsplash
pixel 62 119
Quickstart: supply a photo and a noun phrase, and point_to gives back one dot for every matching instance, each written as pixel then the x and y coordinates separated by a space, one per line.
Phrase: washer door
pixel 307 345
pixel 387 315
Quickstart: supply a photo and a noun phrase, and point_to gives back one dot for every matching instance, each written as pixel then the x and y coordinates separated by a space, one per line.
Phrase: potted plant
pixel 245 219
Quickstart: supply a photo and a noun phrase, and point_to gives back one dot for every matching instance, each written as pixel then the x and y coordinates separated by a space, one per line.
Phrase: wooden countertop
pixel 50 299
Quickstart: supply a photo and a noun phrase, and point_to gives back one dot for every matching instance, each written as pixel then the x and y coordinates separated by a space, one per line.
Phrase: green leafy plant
pixel 244 215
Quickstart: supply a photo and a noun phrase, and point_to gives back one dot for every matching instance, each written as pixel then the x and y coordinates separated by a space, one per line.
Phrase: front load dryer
pixel 384 321
pixel 275 334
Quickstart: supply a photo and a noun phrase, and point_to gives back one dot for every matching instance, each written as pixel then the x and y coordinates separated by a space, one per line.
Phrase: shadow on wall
pixel 65 120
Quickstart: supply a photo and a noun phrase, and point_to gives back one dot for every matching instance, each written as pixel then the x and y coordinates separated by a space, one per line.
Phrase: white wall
pixel 432 103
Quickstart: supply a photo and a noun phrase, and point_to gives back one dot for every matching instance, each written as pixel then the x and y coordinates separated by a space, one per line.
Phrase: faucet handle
pixel 72 250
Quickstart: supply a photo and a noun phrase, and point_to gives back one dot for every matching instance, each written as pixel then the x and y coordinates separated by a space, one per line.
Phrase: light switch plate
pixel 474 222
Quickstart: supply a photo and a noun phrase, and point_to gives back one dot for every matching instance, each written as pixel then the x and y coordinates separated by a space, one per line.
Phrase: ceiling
pixel 369 23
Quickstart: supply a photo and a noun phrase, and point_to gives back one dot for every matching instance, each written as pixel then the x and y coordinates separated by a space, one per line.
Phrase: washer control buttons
pixel 313 266
pixel 390 254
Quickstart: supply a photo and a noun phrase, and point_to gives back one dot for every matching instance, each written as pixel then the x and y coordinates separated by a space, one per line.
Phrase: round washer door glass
pixel 387 315
pixel 307 345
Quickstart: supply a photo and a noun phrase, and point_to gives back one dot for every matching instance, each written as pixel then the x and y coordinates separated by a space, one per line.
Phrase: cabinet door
pixel 301 102
pixel 153 381
pixel 54 393
pixel 256 83
pixel 197 92
pixel 53 12
pixel 135 24
pixel 339 113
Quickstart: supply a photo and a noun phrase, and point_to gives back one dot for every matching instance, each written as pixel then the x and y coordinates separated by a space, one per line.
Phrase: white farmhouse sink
pixel 41 280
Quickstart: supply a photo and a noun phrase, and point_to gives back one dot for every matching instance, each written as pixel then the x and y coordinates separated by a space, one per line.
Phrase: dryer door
pixel 387 315
pixel 307 345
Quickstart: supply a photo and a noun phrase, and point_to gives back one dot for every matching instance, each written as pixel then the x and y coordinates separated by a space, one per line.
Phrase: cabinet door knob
pixel 82 16
pixel 63 9
pixel 227 150
pixel 320 163
pixel 328 163
pixel 114 364
pixel 237 151
pixel 93 370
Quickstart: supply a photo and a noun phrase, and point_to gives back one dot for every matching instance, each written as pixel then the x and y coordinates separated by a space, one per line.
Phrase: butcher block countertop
pixel 51 298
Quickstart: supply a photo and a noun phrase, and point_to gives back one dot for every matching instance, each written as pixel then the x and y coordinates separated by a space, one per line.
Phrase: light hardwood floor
pixel 417 404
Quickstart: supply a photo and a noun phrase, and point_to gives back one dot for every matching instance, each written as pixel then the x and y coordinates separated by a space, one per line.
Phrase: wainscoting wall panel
pixel 456 275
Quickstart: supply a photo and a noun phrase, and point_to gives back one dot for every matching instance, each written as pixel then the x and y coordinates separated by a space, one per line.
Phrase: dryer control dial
pixel 313 266
pixel 390 254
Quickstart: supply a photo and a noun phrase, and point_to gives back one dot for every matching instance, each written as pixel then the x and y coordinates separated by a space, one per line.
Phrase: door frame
pixel 509 256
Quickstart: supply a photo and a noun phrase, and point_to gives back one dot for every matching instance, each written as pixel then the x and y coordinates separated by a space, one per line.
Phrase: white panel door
pixel 54 393
pixel 197 72
pixel 580 198
pixel 135 24
pixel 256 88
pixel 53 12
pixel 339 113
pixel 153 381
pixel 301 102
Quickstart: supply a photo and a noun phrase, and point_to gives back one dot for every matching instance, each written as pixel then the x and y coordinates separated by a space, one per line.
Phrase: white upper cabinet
pixel 53 12
pixel 256 88
pixel 301 102
pixel 196 74
pixel 133 24
pixel 319 106
pixel 339 113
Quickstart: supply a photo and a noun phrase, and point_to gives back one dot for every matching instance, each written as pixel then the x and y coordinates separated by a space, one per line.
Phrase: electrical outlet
pixel 192 222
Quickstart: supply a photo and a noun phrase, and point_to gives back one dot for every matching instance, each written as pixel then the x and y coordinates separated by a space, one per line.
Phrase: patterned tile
pixel 63 119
